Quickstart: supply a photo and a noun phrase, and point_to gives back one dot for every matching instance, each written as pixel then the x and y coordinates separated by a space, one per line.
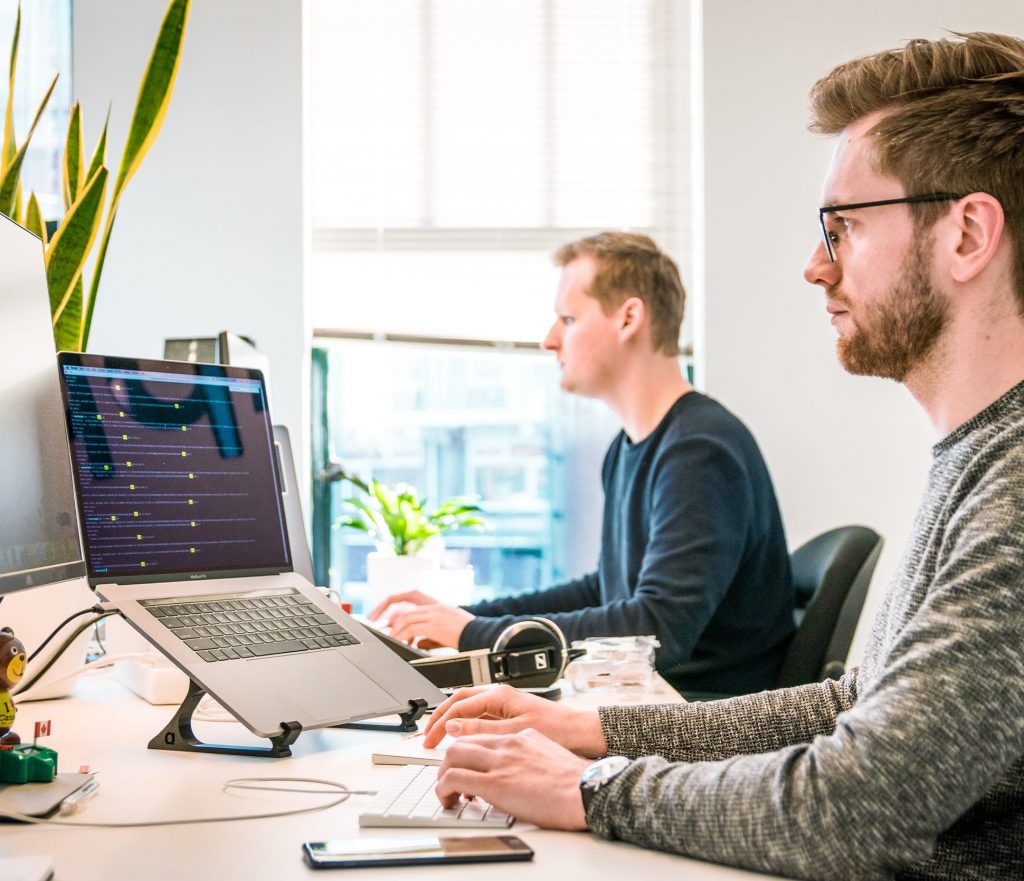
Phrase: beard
pixel 898 333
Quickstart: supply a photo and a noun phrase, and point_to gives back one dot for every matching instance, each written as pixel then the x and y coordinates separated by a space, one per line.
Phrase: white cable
pixel 98 664
pixel 257 783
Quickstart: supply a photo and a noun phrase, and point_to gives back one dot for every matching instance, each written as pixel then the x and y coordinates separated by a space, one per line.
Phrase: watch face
pixel 603 771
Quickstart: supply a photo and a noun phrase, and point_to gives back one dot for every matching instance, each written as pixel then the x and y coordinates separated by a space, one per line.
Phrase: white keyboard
pixel 408 799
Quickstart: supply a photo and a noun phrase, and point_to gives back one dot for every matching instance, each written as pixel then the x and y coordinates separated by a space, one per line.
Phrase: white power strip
pixel 153 678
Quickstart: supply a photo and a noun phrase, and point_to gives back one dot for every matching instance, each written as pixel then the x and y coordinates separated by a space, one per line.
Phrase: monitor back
pixel 39 540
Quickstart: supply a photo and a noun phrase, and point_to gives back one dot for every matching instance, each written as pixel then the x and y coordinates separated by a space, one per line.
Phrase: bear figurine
pixel 12 669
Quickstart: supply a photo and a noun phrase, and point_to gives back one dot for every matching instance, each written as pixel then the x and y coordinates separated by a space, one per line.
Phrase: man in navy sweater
pixel 692 545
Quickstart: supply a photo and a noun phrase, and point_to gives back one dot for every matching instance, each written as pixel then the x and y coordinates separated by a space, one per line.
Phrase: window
pixel 454 144
pixel 44 50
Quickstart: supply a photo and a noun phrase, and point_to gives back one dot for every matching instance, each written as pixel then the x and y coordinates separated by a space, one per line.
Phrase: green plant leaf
pixel 9 145
pixel 99 155
pixel 9 186
pixel 350 523
pixel 70 245
pixel 67 333
pixel 34 218
pixel 147 120
pixel 74 161
pixel 154 92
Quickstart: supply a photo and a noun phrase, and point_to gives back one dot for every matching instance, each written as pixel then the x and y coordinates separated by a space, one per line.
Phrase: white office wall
pixel 842 449
pixel 209 233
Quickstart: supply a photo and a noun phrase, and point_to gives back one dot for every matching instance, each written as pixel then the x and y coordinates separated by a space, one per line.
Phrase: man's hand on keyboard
pixel 524 774
pixel 506 710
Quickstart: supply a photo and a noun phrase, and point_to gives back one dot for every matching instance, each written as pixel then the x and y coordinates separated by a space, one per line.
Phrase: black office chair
pixel 831 574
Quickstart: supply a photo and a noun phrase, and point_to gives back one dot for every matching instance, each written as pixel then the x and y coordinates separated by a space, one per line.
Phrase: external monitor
pixel 39 540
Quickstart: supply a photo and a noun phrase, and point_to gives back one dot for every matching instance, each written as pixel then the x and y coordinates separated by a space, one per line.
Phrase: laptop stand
pixel 178 735
pixel 407 723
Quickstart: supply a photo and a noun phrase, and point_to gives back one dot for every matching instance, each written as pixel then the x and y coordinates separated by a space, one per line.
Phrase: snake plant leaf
pixel 34 218
pixel 74 161
pixel 67 333
pixel 150 110
pixel 154 92
pixel 65 256
pixel 9 186
pixel 99 156
pixel 9 145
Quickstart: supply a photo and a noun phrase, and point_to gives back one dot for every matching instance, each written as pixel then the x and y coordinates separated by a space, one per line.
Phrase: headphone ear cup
pixel 532 634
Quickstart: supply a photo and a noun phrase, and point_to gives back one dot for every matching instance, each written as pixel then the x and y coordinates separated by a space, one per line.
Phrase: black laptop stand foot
pixel 177 734
pixel 417 707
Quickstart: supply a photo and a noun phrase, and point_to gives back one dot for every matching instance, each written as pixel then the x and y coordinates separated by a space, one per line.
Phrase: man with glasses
pixel 911 766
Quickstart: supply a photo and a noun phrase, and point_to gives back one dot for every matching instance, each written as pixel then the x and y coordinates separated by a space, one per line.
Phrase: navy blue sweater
pixel 692 550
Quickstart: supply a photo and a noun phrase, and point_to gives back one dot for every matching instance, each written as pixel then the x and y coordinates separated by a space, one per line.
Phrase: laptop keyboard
pixel 409 800
pixel 228 627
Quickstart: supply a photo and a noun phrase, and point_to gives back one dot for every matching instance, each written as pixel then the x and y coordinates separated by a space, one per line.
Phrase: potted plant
pixel 67 243
pixel 405 529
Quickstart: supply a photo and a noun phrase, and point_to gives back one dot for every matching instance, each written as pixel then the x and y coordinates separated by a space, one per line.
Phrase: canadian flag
pixel 43 729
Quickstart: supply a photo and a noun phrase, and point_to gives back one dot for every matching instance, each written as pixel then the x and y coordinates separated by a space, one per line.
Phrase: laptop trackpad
pixel 327 686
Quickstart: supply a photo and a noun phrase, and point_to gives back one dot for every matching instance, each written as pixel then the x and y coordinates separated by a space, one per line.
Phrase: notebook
pixel 184 531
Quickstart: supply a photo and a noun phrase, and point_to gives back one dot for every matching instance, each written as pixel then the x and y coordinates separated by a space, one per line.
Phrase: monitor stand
pixel 32 615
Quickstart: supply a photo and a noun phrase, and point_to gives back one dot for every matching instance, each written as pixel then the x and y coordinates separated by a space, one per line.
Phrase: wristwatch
pixel 599 775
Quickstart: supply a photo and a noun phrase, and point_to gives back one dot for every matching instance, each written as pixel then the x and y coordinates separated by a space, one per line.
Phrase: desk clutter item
pixel 408 799
pixel 36 868
pixel 39 799
pixel 613 662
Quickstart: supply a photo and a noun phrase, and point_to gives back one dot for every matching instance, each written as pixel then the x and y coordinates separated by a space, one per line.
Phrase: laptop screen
pixel 174 469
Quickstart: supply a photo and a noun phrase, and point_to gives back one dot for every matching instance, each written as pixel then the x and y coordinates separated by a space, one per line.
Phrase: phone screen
pixel 352 852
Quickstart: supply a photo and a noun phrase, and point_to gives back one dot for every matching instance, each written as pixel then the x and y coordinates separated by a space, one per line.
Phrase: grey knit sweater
pixel 911 766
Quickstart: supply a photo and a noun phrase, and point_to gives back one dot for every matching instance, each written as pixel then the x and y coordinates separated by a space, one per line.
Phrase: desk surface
pixel 106 727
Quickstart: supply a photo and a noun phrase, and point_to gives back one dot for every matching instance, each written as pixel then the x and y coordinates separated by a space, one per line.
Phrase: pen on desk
pixel 77 800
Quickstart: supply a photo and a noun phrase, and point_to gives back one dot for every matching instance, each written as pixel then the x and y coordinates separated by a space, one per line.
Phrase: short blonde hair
pixel 954 121
pixel 632 265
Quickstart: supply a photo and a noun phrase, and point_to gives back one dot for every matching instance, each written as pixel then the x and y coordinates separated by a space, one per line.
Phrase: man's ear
pixel 632 317
pixel 977 235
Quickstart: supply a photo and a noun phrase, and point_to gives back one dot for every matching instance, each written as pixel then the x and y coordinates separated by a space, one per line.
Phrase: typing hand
pixel 525 774
pixel 429 626
pixel 506 710
pixel 414 597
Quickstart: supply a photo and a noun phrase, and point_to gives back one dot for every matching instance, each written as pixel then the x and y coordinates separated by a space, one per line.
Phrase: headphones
pixel 531 653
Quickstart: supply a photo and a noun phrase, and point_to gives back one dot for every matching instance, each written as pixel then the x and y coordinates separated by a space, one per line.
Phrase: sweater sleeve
pixel 493 616
pixel 932 733
pixel 711 730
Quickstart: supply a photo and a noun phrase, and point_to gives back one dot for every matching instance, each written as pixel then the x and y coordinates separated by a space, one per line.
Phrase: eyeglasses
pixel 826 236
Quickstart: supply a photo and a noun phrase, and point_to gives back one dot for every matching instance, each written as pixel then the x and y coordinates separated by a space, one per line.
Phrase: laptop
pixel 184 531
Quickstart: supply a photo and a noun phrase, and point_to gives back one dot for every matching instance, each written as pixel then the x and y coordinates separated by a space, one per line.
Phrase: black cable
pixel 96 610
pixel 25 685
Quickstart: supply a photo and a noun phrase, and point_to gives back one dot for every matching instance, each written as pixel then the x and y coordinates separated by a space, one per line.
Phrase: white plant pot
pixel 387 574
pixel 451 586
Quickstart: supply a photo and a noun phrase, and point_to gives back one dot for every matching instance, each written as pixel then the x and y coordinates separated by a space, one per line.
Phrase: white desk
pixel 106 727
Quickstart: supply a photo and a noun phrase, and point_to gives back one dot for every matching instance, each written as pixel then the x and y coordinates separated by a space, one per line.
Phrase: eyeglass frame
pixel 905 200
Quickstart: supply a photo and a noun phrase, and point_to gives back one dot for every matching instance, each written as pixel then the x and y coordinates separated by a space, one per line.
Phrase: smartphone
pixel 351 853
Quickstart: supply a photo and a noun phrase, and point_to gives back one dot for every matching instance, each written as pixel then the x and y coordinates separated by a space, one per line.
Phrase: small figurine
pixel 12 668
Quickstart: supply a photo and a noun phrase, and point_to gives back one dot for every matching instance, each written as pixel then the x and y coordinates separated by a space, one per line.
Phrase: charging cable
pixel 264 784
